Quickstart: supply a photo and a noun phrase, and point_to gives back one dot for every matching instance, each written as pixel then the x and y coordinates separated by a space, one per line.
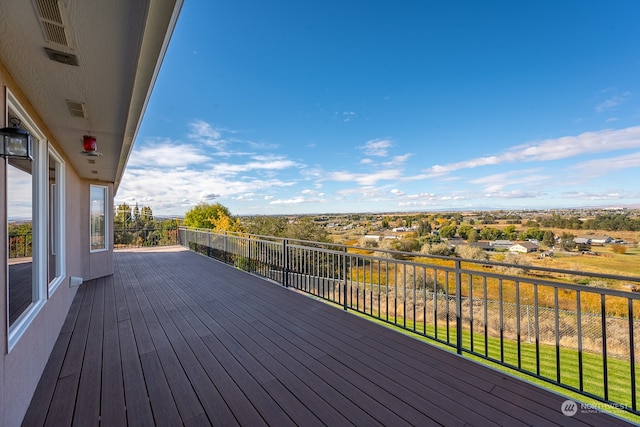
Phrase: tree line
pixel 135 226
pixel 607 222
pixel 217 217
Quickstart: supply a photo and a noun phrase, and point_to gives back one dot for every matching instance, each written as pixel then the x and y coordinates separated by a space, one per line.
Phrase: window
pixel 98 220
pixel 56 225
pixel 26 206
pixel 20 233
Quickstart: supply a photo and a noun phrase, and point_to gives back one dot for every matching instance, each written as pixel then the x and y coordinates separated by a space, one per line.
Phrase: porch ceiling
pixel 119 46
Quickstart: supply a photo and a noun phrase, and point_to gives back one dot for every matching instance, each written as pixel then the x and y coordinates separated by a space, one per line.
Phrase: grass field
pixel 627 264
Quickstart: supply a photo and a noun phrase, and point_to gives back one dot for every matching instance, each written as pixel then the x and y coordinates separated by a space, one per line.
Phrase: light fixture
pixel 16 142
pixel 90 146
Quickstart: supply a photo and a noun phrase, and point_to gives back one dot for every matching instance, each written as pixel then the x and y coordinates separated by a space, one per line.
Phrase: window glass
pixel 19 187
pixel 98 210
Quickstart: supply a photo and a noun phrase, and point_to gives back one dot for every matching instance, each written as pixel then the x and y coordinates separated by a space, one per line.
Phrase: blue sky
pixel 291 107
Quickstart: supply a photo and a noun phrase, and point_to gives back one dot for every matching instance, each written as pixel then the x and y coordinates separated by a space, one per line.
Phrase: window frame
pixel 57 224
pixel 38 220
pixel 105 212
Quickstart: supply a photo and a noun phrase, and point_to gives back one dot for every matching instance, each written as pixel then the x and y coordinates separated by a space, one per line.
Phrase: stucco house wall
pixel 21 366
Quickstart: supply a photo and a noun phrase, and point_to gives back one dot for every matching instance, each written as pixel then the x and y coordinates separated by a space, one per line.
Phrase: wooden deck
pixel 174 338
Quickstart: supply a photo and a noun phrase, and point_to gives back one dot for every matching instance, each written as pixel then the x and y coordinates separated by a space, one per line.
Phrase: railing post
pixel 224 248
pixel 285 263
pixel 458 307
pixel 344 278
pixel 249 254
pixel 209 244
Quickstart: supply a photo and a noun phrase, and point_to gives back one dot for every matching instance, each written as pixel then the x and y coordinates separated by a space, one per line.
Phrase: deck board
pixel 174 338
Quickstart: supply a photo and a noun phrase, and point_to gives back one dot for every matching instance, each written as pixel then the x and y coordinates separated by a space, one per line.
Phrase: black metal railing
pixel 576 330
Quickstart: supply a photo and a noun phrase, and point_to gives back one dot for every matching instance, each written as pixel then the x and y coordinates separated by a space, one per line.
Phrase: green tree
pixel 510 232
pixel 490 233
pixel 532 233
pixel 464 230
pixel 306 229
pixel 548 238
pixel 447 231
pixel 567 241
pixel 424 228
pixel 204 214
pixel 146 213
pixel 264 225
pixel 385 222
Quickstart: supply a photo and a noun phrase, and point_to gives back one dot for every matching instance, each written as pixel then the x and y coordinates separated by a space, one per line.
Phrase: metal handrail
pixel 517 321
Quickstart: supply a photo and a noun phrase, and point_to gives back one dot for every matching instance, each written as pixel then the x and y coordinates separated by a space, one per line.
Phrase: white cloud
pixel 552 149
pixel 599 167
pixel 514 194
pixel 496 182
pixel 347 116
pixel 398 160
pixel 377 147
pixel 612 101
pixel 175 191
pixel 365 179
pixel 166 153
pixel 203 130
pixel 608 195
pixel 264 163
pixel 296 201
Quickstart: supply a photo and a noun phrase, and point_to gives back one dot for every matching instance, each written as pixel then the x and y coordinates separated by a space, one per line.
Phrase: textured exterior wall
pixel 21 368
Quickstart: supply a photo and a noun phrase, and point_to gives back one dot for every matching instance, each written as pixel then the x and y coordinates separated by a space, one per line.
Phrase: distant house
pixel 373 237
pixel 484 245
pixel 582 240
pixel 501 244
pixel 391 237
pixel 455 241
pixel 601 240
pixel 524 247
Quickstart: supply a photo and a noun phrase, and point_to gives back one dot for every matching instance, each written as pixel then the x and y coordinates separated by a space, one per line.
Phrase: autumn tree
pixel 225 222
pixel 204 214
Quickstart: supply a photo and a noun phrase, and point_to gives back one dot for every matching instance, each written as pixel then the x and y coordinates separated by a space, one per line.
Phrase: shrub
pixel 619 249
pixel 471 252
pixel 436 249
pixel 516 260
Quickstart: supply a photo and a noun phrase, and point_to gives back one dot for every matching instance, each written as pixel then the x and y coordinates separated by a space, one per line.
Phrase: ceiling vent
pixel 62 57
pixel 76 109
pixel 53 21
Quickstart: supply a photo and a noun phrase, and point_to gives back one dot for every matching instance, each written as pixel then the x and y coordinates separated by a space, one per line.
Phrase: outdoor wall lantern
pixel 16 142
pixel 90 146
